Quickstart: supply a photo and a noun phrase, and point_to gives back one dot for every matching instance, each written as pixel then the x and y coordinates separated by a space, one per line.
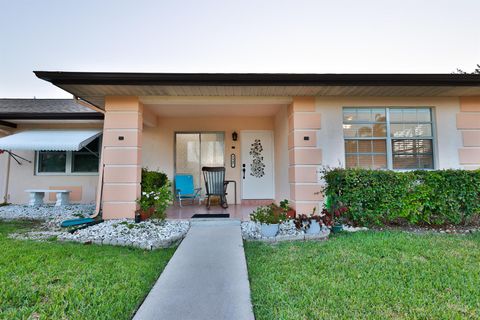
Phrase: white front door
pixel 257 164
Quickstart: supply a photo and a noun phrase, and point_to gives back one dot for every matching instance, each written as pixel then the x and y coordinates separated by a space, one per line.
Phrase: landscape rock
pixel 287 232
pixel 289 228
pixel 148 235
pixel 50 214
pixel 125 232
pixel 323 235
pixel 348 228
pixel 294 237
pixel 250 230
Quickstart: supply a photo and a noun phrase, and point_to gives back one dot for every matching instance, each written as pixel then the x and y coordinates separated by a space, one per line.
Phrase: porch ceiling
pixel 93 87
pixel 215 110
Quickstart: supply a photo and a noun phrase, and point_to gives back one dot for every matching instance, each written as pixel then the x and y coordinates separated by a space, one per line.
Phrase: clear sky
pixel 298 36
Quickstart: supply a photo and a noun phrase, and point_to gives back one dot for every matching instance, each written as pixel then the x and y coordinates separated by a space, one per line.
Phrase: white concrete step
pixel 214 222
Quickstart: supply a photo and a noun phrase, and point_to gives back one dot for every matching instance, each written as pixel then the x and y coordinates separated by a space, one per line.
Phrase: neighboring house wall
pixel 23 176
pixel 468 122
pixel 3 169
pixel 159 147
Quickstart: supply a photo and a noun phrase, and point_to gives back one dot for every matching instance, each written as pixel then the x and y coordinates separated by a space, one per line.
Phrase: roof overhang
pixel 49 140
pixel 94 86
pixel 51 116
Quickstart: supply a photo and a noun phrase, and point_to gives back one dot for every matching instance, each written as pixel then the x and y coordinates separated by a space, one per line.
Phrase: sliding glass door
pixel 193 150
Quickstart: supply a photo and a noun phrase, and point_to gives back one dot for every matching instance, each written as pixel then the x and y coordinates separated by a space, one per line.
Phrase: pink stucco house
pixel 290 125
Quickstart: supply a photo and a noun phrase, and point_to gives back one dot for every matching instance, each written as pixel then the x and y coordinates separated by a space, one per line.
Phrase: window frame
pixel 175 133
pixel 68 164
pixel 37 163
pixel 389 138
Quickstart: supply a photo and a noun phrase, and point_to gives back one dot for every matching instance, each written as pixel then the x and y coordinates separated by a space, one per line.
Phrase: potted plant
pixel 156 196
pixel 334 214
pixel 147 207
pixel 269 218
pixel 284 204
pixel 310 224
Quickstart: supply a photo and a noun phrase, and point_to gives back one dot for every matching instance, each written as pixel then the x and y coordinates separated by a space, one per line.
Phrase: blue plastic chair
pixel 184 188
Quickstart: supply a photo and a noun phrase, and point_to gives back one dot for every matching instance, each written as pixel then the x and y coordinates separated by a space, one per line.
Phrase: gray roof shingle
pixel 42 106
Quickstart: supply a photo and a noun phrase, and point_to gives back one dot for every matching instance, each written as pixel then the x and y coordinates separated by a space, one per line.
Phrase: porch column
pixel 122 147
pixel 305 158
pixel 468 122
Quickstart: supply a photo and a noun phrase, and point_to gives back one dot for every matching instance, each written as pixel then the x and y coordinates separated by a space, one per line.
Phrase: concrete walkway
pixel 205 279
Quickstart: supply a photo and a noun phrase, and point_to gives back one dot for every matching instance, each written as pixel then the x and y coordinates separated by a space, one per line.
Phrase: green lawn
pixel 374 275
pixel 73 281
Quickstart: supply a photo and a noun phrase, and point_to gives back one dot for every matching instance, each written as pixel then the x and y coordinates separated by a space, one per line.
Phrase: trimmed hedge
pixel 417 197
pixel 153 180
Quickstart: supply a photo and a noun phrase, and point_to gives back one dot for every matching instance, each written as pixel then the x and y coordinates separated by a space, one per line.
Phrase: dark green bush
pixel 416 197
pixel 156 193
pixel 153 180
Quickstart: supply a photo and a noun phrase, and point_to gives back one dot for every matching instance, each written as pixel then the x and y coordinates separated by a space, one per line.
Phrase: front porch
pixel 188 134
pixel 253 138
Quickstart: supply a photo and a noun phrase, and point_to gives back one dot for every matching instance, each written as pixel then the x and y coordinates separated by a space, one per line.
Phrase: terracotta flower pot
pixel 146 214
pixel 291 214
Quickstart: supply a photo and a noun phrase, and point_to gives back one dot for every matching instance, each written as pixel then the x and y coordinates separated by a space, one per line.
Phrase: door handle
pixel 244 169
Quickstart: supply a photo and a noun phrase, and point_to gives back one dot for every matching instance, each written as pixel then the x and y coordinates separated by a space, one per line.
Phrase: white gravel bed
pixel 287 232
pixel 459 230
pixel 348 228
pixel 36 235
pixel 149 235
pixel 50 213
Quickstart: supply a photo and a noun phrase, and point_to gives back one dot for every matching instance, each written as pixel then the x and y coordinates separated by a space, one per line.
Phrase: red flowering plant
pixel 303 221
pixel 334 212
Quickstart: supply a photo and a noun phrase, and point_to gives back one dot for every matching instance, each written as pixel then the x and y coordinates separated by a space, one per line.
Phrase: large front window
pixel 85 161
pixel 388 138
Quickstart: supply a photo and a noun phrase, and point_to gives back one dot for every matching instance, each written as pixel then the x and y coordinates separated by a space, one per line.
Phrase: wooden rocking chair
pixel 215 184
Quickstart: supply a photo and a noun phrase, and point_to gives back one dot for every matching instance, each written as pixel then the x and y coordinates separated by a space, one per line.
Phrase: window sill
pixel 79 174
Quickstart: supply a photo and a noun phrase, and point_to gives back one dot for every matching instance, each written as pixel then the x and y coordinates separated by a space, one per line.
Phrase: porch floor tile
pixel 205 279
pixel 240 212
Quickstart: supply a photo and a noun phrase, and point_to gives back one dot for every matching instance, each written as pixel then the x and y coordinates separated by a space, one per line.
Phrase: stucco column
pixel 305 158
pixel 122 148
pixel 468 122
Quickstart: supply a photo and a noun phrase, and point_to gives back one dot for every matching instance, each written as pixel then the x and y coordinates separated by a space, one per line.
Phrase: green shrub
pixel 417 197
pixel 156 192
pixel 153 180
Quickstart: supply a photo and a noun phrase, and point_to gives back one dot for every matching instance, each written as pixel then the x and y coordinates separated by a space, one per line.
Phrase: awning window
pixel 49 140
